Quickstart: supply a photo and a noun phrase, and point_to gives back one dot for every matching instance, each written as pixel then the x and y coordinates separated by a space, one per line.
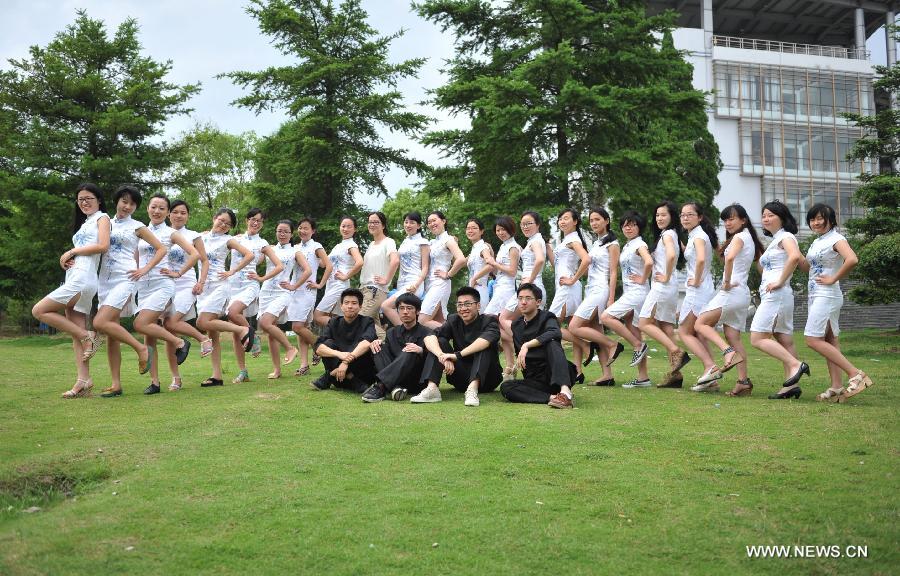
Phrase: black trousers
pixel 483 366
pixel 542 378
pixel 401 371
pixel 363 370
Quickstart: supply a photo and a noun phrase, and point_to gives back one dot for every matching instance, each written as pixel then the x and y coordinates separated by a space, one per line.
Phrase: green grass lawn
pixel 272 477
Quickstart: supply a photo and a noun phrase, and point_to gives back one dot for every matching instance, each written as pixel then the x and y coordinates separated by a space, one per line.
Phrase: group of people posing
pixel 151 272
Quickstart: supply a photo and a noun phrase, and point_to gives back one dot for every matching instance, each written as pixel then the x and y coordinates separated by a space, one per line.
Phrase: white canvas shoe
pixel 427 396
pixel 472 398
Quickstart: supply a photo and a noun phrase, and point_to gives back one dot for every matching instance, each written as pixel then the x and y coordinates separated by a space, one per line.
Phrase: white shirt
pixel 177 257
pixel 740 268
pixel 255 244
pixel 123 242
pixel 286 254
pixel 659 256
pixel 216 246
pixel 774 258
pixel 690 255
pixel 504 279
pixel 410 252
pixel 529 256
pixel 476 262
pixel 376 262
pixel 88 233
pixel 146 252
pixel 598 272
pixel 824 260
pixel 341 259
pixel 309 249
pixel 631 262
pixel 440 259
pixel 566 258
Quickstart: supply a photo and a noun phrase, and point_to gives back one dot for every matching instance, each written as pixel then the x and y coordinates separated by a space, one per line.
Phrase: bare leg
pixel 428 321
pixel 107 321
pixel 216 355
pixel 651 327
pixel 690 338
pixel 147 323
pixel 828 347
pixel 236 317
pixel 305 338
pixel 114 356
pixel 52 313
pixel 321 318
pixel 642 366
pixel 176 325
pixel 736 342
pixel 622 330
pixel 82 367
pixel 774 348
pixel 150 341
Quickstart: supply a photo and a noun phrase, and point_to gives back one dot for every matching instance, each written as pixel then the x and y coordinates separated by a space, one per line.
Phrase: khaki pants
pixel 373 298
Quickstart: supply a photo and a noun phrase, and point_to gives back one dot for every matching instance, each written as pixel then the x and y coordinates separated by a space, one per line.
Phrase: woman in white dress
pixel 698 253
pixel 275 297
pixel 119 274
pixel 303 294
pixel 772 329
pixel 476 261
pixel 213 299
pixel 346 262
pixel 156 290
pixel 731 303
pixel 244 288
pixel 67 307
pixel 570 264
pixel 506 266
pixel 622 315
pixel 446 259
pixel 414 254
pixel 600 293
pixel 187 287
pixel 829 259
pixel 658 314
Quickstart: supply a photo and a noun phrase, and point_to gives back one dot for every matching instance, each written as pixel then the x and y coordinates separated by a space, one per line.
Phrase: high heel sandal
pixel 857 384
pixel 831 395
pixel 206 348
pixel 301 371
pixel 787 394
pixel 741 388
pixel 90 344
pixel 81 389
pixel 735 360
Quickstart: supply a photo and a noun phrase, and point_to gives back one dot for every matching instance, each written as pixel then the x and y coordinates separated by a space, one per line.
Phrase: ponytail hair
pixel 609 236
pixel 577 218
pixel 788 222
pixel 705 224
pixel 738 211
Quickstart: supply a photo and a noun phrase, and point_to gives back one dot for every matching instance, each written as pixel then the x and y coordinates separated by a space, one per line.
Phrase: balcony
pixel 790 48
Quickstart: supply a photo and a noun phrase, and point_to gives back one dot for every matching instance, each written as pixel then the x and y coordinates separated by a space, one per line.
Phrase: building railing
pixel 790 47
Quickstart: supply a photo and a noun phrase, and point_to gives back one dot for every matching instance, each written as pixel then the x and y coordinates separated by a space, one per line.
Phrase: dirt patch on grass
pixel 267 396
pixel 47 483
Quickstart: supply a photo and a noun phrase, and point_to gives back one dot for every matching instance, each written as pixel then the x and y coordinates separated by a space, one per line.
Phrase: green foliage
pixel 341 91
pixel 86 107
pixel 879 258
pixel 571 103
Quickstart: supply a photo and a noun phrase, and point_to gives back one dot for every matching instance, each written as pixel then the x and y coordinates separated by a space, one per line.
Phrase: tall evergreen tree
pixel 879 253
pixel 571 102
pixel 339 94
pixel 85 107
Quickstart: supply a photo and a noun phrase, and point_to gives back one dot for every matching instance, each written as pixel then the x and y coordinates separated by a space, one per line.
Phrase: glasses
pixel 468 304
pixel 688 214
pixel 526 298
pixel 85 199
pixel 406 308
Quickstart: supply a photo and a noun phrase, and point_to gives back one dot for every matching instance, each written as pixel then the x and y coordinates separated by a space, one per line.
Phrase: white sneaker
pixel 427 396
pixel 638 384
pixel 472 398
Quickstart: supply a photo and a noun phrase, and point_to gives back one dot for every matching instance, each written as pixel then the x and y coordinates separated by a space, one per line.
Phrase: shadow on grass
pixel 47 484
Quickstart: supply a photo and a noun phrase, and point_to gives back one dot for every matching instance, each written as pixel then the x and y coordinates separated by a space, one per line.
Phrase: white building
pixel 781 72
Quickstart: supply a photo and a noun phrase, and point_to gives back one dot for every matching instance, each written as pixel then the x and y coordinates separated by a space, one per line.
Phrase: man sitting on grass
pixel 547 375
pixel 344 347
pixel 401 357
pixel 465 349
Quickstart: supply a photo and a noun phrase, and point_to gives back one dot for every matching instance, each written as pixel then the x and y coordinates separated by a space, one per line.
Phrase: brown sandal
pixel 735 360
pixel 741 388
pixel 81 389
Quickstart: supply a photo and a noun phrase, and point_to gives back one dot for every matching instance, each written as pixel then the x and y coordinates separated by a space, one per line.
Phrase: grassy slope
pixel 273 477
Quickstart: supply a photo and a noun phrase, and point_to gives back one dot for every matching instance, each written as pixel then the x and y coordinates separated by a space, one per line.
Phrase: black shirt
pixel 544 327
pixel 398 337
pixel 484 326
pixel 345 336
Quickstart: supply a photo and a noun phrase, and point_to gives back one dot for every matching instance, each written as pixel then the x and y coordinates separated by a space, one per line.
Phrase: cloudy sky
pixel 203 38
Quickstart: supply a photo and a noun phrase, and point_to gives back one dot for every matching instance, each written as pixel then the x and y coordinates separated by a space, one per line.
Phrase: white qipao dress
pixel 155 290
pixel 776 308
pixel 81 278
pixel 567 262
pixel 437 290
pixel 528 259
pixel 183 300
pixel 735 302
pixel 596 295
pixel 410 252
pixel 303 299
pixel 633 294
pixel 662 301
pixel 475 262
pixel 341 261
pixel 214 298
pixel 242 288
pixel 504 284
pixel 116 289
pixel 273 299
pixel 825 302
pixel 696 297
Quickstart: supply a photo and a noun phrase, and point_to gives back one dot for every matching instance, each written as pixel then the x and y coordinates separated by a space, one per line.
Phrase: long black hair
pixel 788 222
pixel 577 218
pixel 610 236
pixel 79 216
pixel 736 210
pixel 705 224
pixel 674 221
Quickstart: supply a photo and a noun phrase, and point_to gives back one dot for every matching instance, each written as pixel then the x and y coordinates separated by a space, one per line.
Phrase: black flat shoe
pixel 247 340
pixel 619 349
pixel 804 369
pixel 579 379
pixel 111 393
pixel 607 382
pixel 151 389
pixel 181 354
pixel 591 353
pixel 792 393
pixel 211 382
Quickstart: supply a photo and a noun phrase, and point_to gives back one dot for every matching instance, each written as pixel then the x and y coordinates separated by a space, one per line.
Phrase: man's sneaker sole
pixel 372 400
pixel 640 384
pixel 417 400
pixel 398 394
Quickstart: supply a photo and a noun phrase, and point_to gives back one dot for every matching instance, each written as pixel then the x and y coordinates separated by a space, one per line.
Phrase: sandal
pixel 111 392
pixel 735 360
pixel 81 389
pixel 316 359
pixel 274 375
pixel 302 371
pixel 206 348
pixel 291 356
pixel 243 376
pixel 175 385
pixel 144 367
pixel 741 388
pixel 211 382
pixel 256 349
pixel 857 384
pixel 710 375
pixel 90 344
pixel 831 395
pixel 248 338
